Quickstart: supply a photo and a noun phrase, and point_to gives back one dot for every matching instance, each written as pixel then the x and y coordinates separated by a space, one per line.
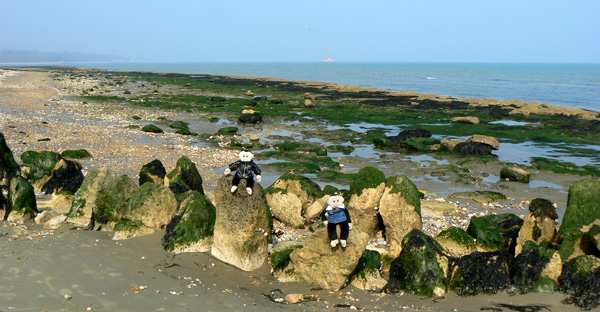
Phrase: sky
pixel 307 31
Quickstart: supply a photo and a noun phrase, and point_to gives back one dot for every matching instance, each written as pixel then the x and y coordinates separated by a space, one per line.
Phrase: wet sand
pixel 40 267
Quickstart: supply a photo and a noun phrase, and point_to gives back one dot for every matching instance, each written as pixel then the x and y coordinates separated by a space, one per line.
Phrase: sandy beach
pixel 75 270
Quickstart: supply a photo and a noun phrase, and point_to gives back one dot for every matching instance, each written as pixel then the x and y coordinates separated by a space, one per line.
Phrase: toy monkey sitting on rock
pixel 245 168
pixel 336 214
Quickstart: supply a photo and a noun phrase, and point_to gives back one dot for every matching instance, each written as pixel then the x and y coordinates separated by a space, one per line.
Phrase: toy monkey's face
pixel 335 201
pixel 246 156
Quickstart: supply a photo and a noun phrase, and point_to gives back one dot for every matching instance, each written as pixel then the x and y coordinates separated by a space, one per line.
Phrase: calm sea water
pixel 572 85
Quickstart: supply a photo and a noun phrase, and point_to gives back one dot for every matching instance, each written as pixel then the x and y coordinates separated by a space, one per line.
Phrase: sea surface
pixel 571 85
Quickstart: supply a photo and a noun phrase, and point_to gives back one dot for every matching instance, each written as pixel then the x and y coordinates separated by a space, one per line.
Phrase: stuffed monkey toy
pixel 245 168
pixel 336 214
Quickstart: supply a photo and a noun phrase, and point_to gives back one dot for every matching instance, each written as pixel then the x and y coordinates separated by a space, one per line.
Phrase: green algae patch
pixel 76 154
pixel 528 268
pixel 583 205
pixel 480 196
pixel 227 131
pixel 459 237
pixel 367 177
pixel 495 232
pixel 280 255
pixel 193 222
pixel 564 167
pixel 410 192
pixel 22 197
pixel 369 263
pixel 126 225
pixel 112 201
pixel 152 129
pixel 42 164
pixel 420 144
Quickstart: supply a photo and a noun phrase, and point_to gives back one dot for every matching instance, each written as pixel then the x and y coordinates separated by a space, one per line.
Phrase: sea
pixel 570 85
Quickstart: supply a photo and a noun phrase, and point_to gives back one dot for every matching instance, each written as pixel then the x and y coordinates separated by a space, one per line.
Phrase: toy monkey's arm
pixel 348 218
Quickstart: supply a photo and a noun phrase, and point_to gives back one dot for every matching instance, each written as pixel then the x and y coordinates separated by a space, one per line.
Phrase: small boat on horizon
pixel 329 60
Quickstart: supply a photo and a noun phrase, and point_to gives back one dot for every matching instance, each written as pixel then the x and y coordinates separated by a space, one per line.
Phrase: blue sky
pixel 306 31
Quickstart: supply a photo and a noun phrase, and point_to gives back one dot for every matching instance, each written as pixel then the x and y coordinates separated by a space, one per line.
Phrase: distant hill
pixel 28 56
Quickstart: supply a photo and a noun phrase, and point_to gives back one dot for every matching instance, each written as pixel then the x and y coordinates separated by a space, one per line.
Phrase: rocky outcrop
pixel 65 176
pixel 22 200
pixel 515 174
pixel 153 171
pixel 470 120
pixel 456 242
pixel 150 208
pixel 185 177
pixel 290 196
pixel 495 232
pixel 319 264
pixel 539 224
pixel 40 165
pixel 84 202
pixel 579 280
pixel 365 193
pixel 192 227
pixel 242 227
pixel 536 269
pixel 280 257
pixel 8 166
pixel 112 201
pixel 480 272
pixel 366 276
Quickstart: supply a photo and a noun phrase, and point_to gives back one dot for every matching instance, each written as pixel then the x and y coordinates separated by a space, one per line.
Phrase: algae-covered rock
pixel 153 171
pixel 152 204
pixel 579 280
pixel 400 209
pixel 539 224
pixel 319 264
pixel 420 267
pixel 251 118
pixel 480 272
pixel 22 200
pixel 184 177
pixel 536 269
pixel 8 166
pixel 65 176
pixel 152 129
pixel 290 196
pixel 472 148
pixel 480 196
pixel 366 275
pixel 456 242
pixel 192 227
pixel 495 232
pixel 40 164
pixel 243 225
pixel 84 200
pixel 365 192
pixel 76 154
pixel 112 200
pixel 484 139
pixel 280 255
pixel 515 174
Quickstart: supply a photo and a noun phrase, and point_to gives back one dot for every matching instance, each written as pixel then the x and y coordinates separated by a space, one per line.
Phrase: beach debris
pixel 68 297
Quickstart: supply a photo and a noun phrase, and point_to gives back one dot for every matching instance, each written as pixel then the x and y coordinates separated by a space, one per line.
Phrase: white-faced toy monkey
pixel 336 214
pixel 245 168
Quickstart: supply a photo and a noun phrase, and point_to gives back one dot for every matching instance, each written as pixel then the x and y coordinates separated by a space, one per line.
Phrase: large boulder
pixel 480 272
pixel 456 242
pixel 539 224
pixel 65 176
pixel 22 200
pixel 583 208
pixel 290 196
pixel 150 208
pixel 154 172
pixel 8 166
pixel 536 269
pixel 421 266
pixel 366 276
pixel 319 264
pixel 192 227
pixel 85 198
pixel 495 232
pixel 242 227
pixel 185 177
pixel 112 201
pixel 400 209
pixel 365 193
pixel 579 280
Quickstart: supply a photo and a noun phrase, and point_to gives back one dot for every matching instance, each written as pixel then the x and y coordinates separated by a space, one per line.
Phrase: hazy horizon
pixel 434 31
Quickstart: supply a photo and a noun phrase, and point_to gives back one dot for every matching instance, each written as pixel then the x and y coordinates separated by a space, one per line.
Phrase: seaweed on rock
pixel 480 272
pixel 580 280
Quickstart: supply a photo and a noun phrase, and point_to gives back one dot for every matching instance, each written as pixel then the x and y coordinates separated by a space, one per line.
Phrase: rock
pixel 515 174
pixel 294 298
pixel 579 280
pixel 456 242
pixel 290 196
pixel 253 118
pixel 539 224
pixel 40 164
pixel 22 200
pixel 308 103
pixel 112 201
pixel 420 267
pixel 84 201
pixel 480 196
pixel 154 172
pixel 8 166
pixel 152 129
pixel 472 120
pixel 451 143
pixel 366 276
pixel 488 140
pixel 583 208
pixel 243 225
pixel 480 272
pixel 536 269
pixel 280 256
pixel 365 192
pixel 150 208
pixel 3 207
pixel 192 227
pixel 495 232
pixel 316 208
pixel 471 148
pixel 76 154
pixel 55 222
pixel 410 133
pixel 400 209
pixel 184 177
pixel 249 93
pixel 319 264
pixel 45 216
pixel 65 176
pixel 59 202
pixel 227 131
pixel 309 96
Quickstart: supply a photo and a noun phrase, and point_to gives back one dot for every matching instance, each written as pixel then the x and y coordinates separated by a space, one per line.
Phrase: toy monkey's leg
pixel 234 183
pixel 250 183
pixel 332 231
